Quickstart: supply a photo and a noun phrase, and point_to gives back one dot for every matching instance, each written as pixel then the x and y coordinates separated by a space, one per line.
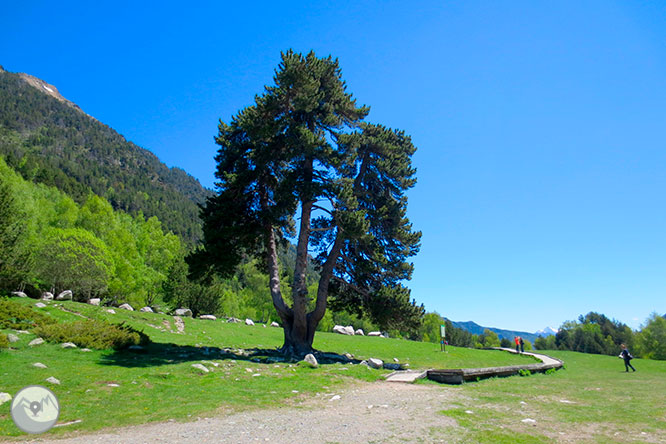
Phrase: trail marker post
pixel 442 335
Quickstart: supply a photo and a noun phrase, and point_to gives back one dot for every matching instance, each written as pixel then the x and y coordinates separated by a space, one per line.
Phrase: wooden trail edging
pixel 460 375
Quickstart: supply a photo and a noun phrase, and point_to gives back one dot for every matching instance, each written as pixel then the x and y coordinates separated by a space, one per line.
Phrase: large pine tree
pixel 302 153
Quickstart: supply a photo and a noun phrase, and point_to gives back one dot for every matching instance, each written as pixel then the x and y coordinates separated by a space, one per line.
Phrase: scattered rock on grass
pixel 4 397
pixel 19 294
pixel 183 312
pixel 37 341
pixel 335 398
pixel 375 363
pixel 12 338
pixel 208 317
pixel 47 296
pixel 68 345
pixel 528 421
pixel 201 367
pixel 40 305
pixel 95 301
pixel 39 365
pixel 111 310
pixel 53 380
pixel 249 322
pixel 359 332
pixel 349 330
pixel 86 350
pixel 311 360
pixel 126 307
pixel 375 333
pixel 147 310
pixel 64 296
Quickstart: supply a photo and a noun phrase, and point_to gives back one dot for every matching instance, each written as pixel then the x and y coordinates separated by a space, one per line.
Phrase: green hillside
pixel 163 370
pixel 50 141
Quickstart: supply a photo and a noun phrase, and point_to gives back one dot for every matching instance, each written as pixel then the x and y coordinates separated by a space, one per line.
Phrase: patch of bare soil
pixel 366 413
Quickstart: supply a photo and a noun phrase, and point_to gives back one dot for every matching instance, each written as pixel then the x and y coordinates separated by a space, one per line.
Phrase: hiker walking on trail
pixel 624 354
pixel 517 341
pixel 522 345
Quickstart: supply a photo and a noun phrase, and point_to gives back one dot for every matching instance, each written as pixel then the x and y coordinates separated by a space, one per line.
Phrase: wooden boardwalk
pixel 460 375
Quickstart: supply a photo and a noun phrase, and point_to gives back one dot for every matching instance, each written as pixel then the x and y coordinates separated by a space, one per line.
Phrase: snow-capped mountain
pixel 548 331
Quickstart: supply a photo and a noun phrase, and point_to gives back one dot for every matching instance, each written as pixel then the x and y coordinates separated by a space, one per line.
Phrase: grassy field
pixel 161 384
pixel 593 400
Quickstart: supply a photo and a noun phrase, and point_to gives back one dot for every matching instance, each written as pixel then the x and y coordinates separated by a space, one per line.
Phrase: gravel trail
pixel 377 412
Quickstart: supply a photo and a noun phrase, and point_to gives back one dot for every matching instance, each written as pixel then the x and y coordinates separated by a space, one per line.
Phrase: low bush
pixel 4 342
pixel 19 317
pixel 93 334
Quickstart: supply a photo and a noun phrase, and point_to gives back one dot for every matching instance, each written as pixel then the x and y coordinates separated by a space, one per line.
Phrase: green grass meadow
pixel 161 384
pixel 592 400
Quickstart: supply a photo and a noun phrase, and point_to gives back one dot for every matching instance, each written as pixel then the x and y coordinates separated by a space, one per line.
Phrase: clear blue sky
pixel 540 126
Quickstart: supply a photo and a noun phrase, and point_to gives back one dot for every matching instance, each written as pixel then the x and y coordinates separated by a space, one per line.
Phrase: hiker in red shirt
pixel 517 341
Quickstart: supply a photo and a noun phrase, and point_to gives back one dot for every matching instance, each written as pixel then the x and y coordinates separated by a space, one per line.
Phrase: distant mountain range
pixel 48 139
pixel 477 329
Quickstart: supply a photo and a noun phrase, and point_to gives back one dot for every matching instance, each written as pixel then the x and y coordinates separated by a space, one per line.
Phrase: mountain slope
pixel 477 329
pixel 48 139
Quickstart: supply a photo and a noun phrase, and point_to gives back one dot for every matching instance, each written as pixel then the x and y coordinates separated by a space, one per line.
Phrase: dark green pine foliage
pixel 373 262
pixel 51 142
pixel 300 163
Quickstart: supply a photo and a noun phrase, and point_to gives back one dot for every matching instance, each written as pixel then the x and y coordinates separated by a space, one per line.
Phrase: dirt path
pixel 377 412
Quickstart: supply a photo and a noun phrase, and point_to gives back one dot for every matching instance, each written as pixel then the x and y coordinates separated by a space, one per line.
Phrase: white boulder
pixel 126 307
pixel 311 361
pixel 183 312
pixel 37 341
pixel 147 310
pixel 274 324
pixel 375 333
pixel 349 330
pixel 12 337
pixel 39 365
pixel 95 301
pixel 68 345
pixel 19 294
pixel 208 317
pixel 47 296
pixel 40 305
pixel 65 296
pixel 375 363
pixel 249 322
pixel 201 367
pixel 53 380
pixel 5 397
pixel 359 332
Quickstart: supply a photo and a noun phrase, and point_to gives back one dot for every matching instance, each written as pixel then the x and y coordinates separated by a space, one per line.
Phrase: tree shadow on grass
pixel 158 354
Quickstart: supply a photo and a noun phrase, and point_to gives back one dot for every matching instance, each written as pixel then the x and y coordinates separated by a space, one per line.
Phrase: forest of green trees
pixel 48 242
pixel 49 142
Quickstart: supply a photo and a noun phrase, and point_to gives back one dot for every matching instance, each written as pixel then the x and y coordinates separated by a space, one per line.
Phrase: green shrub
pixel 523 372
pixel 4 342
pixel 19 317
pixel 93 334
